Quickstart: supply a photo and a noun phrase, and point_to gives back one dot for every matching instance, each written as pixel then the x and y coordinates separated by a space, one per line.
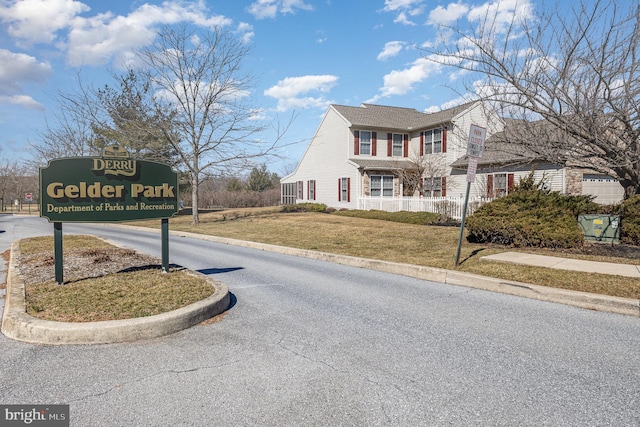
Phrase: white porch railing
pixel 452 207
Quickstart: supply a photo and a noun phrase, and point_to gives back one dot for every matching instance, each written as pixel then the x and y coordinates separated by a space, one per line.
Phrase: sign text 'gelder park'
pixel 113 187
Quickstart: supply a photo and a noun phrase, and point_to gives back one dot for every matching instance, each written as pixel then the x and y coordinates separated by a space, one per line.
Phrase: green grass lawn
pixel 433 246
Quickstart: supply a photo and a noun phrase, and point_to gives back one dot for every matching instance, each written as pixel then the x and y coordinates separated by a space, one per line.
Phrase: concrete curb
pixel 18 325
pixel 625 306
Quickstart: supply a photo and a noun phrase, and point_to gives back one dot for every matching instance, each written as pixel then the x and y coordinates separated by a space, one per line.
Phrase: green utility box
pixel 600 228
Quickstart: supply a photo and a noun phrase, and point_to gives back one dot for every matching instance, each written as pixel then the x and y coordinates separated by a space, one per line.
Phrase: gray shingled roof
pixel 498 152
pixel 375 164
pixel 504 148
pixel 385 117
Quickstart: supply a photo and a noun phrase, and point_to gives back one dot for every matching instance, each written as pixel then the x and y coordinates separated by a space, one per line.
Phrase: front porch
pixel 452 207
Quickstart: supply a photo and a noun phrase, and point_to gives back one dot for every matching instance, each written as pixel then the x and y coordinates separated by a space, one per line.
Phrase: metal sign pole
pixel 165 245
pixel 475 147
pixel 57 252
pixel 464 216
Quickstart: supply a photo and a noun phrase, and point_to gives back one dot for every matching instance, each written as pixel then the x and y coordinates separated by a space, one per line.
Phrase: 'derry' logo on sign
pixel 115 161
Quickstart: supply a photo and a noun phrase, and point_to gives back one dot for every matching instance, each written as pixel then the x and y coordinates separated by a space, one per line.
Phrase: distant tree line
pixel 16 181
pixel 260 188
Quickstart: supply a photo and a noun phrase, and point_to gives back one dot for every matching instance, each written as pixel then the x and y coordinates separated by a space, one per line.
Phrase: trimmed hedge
pixel 419 218
pixel 305 207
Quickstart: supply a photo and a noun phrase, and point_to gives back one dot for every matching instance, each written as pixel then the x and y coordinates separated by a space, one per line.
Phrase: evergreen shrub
pixel 630 212
pixel 530 217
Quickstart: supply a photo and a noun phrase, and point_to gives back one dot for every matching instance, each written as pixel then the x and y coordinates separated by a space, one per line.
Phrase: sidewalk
pixel 626 270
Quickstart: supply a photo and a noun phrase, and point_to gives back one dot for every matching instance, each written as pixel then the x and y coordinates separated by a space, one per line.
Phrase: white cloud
pixel 402 19
pixel 390 50
pixel 321 37
pixel 292 92
pixel 17 70
pixel 450 104
pixel 246 32
pixel 18 67
pixel 400 82
pixel 96 40
pixel 502 12
pixel 404 8
pixel 262 9
pixel 24 101
pixel 394 5
pixel 448 15
pixel 37 21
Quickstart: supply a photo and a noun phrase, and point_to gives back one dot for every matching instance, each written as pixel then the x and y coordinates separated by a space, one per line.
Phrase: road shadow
pixel 232 301
pixel 471 255
pixel 209 271
pixel 173 267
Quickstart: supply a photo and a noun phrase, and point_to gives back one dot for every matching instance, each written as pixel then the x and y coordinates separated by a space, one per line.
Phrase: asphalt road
pixel 315 344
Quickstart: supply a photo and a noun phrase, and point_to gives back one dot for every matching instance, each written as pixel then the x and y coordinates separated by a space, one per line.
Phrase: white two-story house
pixel 392 158
pixel 362 156
pixel 371 151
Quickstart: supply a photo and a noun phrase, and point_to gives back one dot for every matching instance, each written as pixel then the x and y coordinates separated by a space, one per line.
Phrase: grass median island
pixel 102 282
pixel 427 245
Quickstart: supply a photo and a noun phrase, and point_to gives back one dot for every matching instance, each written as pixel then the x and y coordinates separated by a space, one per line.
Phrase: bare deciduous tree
pixel 15 181
pixel 69 133
pixel 199 77
pixel 418 170
pixel 88 119
pixel 576 69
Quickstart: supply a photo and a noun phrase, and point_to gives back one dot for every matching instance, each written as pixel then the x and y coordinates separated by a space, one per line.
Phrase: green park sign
pixel 110 188
pixel 113 187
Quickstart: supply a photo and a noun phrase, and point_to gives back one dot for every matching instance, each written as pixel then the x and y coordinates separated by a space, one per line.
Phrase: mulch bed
pixel 81 264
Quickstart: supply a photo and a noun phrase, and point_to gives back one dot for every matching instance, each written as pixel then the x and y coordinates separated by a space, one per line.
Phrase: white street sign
pixel 471 170
pixel 477 136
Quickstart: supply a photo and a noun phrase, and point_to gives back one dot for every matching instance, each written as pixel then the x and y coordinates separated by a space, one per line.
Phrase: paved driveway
pixel 312 343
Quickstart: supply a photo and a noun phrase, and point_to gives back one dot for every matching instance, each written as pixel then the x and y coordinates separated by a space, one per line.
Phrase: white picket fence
pixel 452 207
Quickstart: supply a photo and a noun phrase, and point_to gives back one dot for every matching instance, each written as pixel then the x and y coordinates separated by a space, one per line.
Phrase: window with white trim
pixel 300 190
pixel 343 189
pixel 288 193
pixel 398 145
pixel 499 184
pixel 365 143
pixel 382 185
pixel 433 186
pixel 433 141
pixel 311 192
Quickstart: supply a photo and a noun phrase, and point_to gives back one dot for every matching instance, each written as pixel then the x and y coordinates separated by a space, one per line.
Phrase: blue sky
pixel 305 54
